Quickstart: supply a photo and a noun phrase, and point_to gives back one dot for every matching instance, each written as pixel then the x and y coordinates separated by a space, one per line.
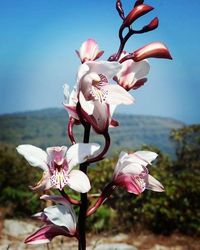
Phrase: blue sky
pixel 39 37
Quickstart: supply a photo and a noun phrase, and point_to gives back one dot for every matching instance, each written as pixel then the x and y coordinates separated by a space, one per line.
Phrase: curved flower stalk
pixel 132 74
pixel 132 174
pixel 95 94
pixel 59 219
pixel 57 164
pixel 89 51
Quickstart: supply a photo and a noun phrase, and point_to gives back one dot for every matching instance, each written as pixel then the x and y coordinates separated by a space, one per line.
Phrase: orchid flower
pixel 89 51
pixel 132 174
pixel 57 164
pixel 132 74
pixel 59 219
pixel 95 94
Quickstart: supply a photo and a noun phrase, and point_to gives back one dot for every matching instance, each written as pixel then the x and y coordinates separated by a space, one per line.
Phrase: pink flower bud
pixel 135 13
pixel 89 51
pixel 156 50
pixel 151 26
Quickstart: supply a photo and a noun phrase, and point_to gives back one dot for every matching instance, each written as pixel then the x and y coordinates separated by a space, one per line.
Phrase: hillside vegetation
pixel 48 128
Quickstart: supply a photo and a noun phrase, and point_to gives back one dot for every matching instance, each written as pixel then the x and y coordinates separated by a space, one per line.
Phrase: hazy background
pixel 38 40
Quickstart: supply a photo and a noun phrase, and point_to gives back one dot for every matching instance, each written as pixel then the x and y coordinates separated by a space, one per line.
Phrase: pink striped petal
pixel 46 234
pixel 130 183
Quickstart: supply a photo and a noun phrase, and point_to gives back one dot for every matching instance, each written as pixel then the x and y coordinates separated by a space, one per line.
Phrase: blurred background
pixel 37 56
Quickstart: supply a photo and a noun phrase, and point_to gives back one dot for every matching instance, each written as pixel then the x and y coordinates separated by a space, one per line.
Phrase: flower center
pixel 140 183
pixel 59 178
pixel 59 174
pixel 97 90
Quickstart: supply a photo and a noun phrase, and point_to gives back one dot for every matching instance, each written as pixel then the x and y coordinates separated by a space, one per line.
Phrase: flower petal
pixel 101 116
pixel 141 69
pixel 147 156
pixel 89 50
pixel 57 154
pixel 117 95
pixel 109 69
pixel 80 152
pixel 45 234
pixel 43 184
pixel 55 198
pixel 35 156
pixel 119 165
pixel 154 184
pixel 131 184
pixel 61 200
pixel 71 111
pixel 60 215
pixel 79 181
pixel 87 106
pixel 83 69
pixel 133 168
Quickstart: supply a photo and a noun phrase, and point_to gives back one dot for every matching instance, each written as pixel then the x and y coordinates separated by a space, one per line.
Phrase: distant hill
pixel 47 127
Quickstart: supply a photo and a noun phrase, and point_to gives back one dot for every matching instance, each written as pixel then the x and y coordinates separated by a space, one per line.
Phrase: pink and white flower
pixel 132 74
pixel 132 174
pixel 59 219
pixel 89 51
pixel 95 94
pixel 57 164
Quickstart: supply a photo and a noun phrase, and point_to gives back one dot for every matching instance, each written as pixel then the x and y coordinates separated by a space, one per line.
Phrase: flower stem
pixel 84 200
pixel 104 151
pixel 68 198
pixel 108 190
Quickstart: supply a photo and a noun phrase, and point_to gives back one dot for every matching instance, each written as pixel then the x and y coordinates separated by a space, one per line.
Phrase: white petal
pixel 134 169
pixel 102 115
pixel 147 156
pixel 35 156
pixel 80 152
pixel 83 69
pixel 154 184
pixel 61 216
pixel 56 198
pixel 112 109
pixel 79 181
pixel 120 165
pixel 141 69
pixel 117 95
pixel 109 69
pixel 87 106
pixel 60 200
pixel 66 93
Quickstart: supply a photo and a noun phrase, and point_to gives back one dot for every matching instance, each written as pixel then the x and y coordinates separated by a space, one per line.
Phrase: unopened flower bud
pixel 135 13
pixel 156 50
